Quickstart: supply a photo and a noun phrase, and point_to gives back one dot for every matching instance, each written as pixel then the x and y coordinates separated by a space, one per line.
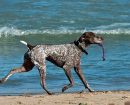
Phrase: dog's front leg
pixel 68 74
pixel 81 76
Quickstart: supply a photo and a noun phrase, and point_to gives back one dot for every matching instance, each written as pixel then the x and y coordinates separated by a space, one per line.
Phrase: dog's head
pixel 90 38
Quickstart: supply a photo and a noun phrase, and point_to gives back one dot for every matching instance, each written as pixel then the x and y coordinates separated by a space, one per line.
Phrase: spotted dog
pixel 66 56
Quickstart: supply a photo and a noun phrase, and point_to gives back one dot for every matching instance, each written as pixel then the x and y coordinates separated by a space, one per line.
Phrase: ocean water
pixel 63 21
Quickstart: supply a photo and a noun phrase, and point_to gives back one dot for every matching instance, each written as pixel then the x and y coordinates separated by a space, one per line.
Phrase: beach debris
pixel 83 104
pixel 124 97
pixel 19 102
pixel 127 103
pixel 103 52
pixel 111 104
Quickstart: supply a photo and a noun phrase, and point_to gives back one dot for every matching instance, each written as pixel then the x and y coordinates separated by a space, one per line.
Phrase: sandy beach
pixel 96 98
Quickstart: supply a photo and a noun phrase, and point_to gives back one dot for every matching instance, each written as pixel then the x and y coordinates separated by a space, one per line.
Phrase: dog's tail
pixel 28 45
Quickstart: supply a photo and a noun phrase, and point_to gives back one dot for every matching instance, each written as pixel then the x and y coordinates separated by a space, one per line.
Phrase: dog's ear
pixel 82 38
pixel 85 37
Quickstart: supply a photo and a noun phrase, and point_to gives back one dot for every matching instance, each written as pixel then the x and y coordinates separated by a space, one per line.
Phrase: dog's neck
pixel 81 46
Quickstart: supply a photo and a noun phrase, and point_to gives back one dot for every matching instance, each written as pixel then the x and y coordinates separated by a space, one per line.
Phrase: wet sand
pixel 96 98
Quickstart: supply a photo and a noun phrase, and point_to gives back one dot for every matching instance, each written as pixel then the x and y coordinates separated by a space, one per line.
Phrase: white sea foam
pixel 116 28
pixel 114 31
pixel 6 31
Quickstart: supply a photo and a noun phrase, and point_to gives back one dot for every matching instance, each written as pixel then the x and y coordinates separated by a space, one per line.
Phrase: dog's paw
pixel 1 81
pixel 64 88
pixel 91 90
pixel 50 93
pixel 84 91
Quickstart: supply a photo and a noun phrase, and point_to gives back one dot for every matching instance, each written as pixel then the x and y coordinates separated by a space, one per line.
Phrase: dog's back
pixel 57 54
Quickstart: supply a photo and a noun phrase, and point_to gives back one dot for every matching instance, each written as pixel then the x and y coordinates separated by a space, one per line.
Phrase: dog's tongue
pixel 103 52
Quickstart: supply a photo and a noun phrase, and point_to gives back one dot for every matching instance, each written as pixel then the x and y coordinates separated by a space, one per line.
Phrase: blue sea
pixel 59 22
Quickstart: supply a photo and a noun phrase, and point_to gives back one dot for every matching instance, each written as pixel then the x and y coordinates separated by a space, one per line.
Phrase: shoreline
pixel 57 93
pixel 95 98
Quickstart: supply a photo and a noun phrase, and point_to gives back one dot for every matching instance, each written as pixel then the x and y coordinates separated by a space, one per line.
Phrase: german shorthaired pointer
pixel 66 56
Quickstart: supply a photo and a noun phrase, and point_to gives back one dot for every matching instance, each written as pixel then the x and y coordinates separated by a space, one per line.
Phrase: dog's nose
pixel 100 38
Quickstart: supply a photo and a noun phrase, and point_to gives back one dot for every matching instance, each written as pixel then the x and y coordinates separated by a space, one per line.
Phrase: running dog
pixel 66 56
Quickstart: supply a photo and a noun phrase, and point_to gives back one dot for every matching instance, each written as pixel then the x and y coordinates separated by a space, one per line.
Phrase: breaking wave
pixel 116 28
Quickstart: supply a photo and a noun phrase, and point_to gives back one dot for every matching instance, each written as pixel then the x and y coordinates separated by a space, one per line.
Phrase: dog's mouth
pixel 98 40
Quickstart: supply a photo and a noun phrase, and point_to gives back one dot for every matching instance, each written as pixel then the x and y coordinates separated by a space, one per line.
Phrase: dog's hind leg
pixel 68 74
pixel 27 66
pixel 42 72
pixel 82 78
